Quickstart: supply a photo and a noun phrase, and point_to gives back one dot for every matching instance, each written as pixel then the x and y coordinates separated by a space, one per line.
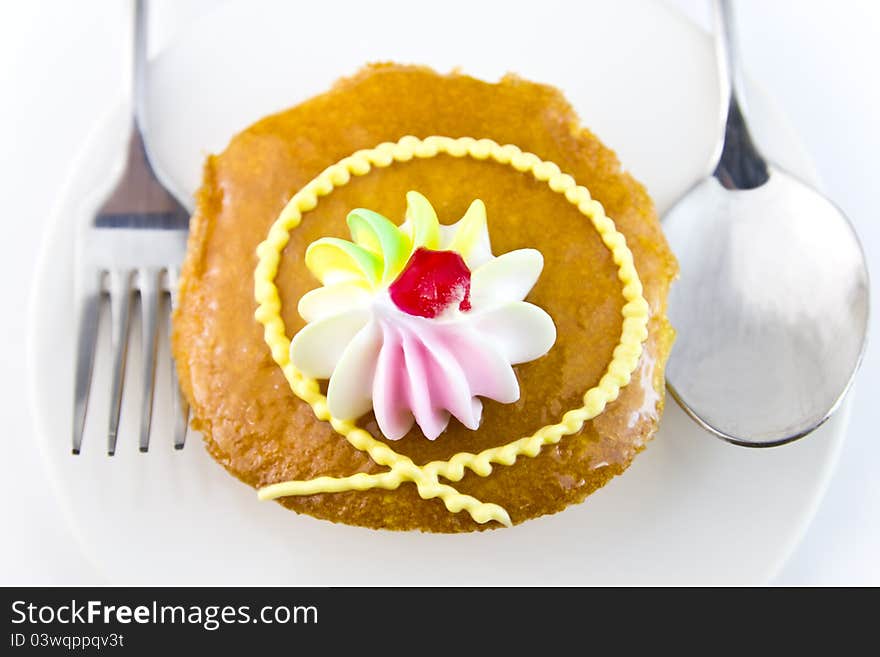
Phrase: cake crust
pixel 262 433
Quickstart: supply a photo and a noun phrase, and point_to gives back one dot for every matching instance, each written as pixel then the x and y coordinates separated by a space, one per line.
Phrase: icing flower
pixel 418 321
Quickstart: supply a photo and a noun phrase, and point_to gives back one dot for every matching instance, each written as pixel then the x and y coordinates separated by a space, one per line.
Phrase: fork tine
pixel 87 325
pixel 149 288
pixel 120 304
pixel 180 407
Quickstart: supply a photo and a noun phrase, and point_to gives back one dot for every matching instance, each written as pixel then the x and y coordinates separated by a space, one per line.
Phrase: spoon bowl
pixel 771 309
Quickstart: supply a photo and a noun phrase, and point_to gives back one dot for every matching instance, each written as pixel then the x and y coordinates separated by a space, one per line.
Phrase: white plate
pixel 691 509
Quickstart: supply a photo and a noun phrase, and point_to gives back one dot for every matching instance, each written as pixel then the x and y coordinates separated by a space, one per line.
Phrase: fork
pixel 133 245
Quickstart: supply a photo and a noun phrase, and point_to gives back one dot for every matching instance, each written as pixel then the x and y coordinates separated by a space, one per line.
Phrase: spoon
pixel 771 309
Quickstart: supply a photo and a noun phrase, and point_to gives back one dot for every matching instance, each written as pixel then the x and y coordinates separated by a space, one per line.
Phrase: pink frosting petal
pixel 391 386
pixel 427 370
pixel 451 392
pixel 487 372
pixel 450 387
pixel 425 376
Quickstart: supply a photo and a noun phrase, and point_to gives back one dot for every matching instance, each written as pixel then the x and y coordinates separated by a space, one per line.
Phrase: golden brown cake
pixel 261 432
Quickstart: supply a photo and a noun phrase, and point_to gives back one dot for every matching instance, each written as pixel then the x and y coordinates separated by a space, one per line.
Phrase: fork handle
pixel 140 188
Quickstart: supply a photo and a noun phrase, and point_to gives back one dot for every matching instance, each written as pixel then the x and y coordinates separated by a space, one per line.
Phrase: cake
pixel 423 302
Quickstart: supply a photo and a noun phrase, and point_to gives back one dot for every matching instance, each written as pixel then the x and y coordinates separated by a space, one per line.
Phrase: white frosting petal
pixel 350 393
pixel 317 348
pixel 332 300
pixel 520 330
pixel 508 277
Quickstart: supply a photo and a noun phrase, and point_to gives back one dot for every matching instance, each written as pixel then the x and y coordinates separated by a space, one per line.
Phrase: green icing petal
pixel 377 234
pixel 425 226
pixel 362 230
pixel 333 260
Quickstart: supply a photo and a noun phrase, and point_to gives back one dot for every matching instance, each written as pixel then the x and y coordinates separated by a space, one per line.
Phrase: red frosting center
pixel 431 282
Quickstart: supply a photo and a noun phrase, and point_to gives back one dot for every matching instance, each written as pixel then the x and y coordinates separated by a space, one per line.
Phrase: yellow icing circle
pixel 402 468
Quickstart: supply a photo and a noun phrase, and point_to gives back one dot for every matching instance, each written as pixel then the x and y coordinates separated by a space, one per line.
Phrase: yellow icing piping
pixel 426 477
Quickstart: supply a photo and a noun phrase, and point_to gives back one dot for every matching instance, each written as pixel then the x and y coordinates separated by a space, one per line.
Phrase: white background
pixel 62 63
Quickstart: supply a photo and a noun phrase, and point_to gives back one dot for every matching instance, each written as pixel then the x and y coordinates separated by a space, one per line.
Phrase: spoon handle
pixel 739 163
pixel 139 64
